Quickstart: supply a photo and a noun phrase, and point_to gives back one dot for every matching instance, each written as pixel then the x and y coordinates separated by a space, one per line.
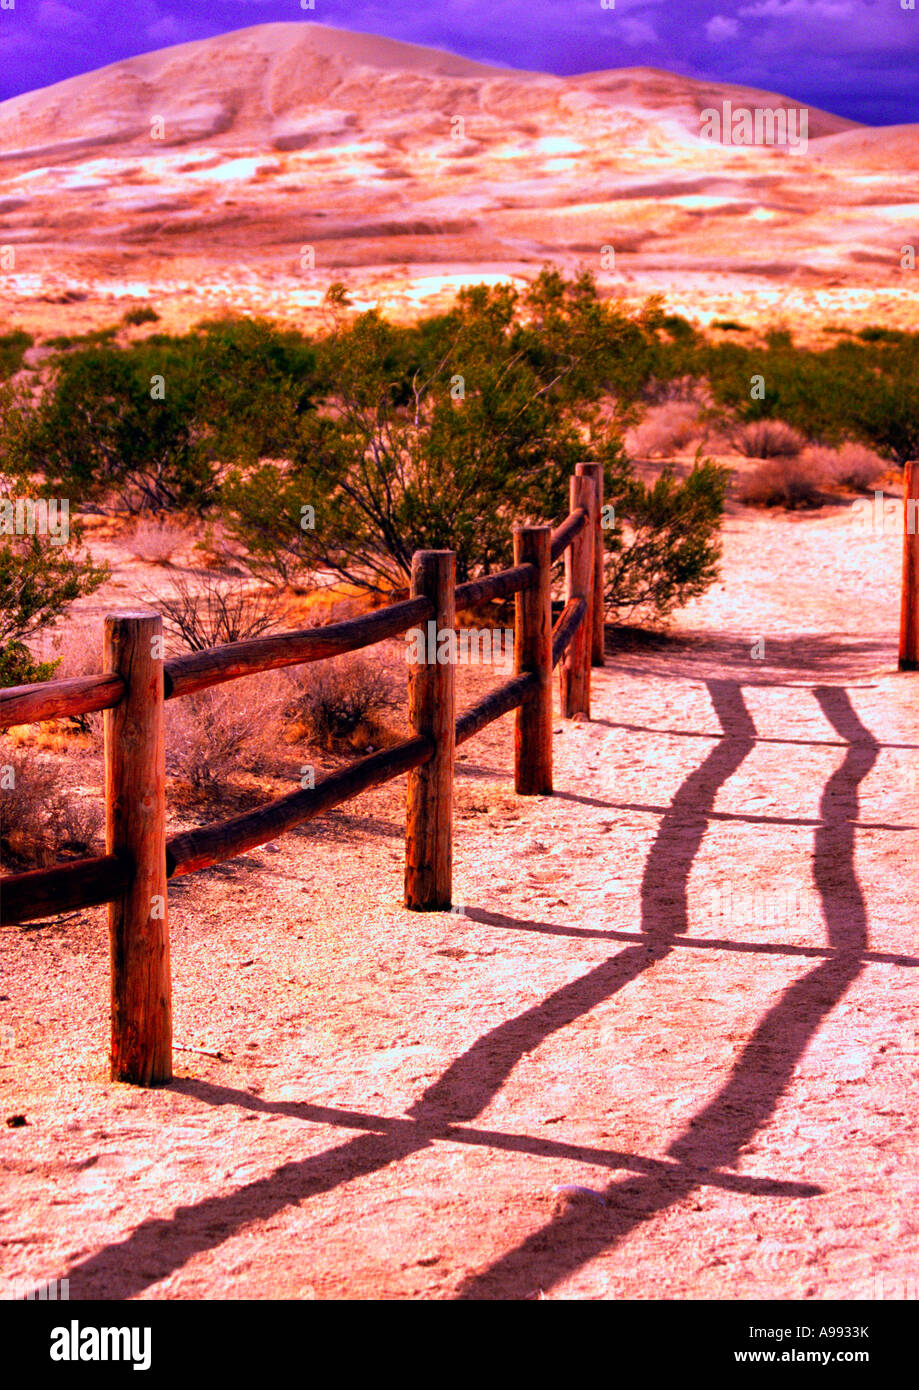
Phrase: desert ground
pixel 376 1103
pixel 665 1044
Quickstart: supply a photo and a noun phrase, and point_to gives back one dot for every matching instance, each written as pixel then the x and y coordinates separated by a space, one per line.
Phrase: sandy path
pixel 733 1075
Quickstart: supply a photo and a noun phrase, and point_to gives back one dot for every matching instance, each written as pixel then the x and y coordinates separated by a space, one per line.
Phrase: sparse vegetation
pixel 665 430
pixel 41 822
pixel 143 313
pixel 155 540
pixel 214 734
pixel 13 347
pixel 850 466
pixel 38 581
pixel 344 700
pixel 672 548
pixel 207 611
pixel 791 482
pixel 768 439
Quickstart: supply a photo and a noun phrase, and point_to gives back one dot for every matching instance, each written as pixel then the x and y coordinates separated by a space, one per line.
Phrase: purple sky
pixel 859 58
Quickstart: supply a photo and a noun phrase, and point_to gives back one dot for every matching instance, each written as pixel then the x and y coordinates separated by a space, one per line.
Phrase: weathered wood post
pixel 533 652
pixel 579 583
pixel 431 703
pixel 597 657
pixel 909 594
pixel 135 828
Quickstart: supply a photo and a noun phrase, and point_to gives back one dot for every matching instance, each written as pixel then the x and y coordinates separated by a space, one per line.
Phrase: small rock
pixel 16 1121
pixel 273 847
pixel 568 1194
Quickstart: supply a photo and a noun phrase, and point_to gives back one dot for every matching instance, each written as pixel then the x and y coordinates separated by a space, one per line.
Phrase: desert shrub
pixel 665 429
pixel 778 339
pixel 73 649
pixel 673 549
pixel 216 733
pixel 19 667
pixel 768 439
pixel 143 313
pixel 155 540
pixel 40 822
pixel 445 434
pixel 343 700
pixel 154 420
pixel 730 326
pixel 875 334
pixel 13 347
pixel 785 482
pixel 38 581
pixel 851 465
pixel 207 611
pixel 483 441
pixel 864 389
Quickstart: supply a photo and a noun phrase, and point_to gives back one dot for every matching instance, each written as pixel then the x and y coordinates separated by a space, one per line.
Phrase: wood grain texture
pixel 212 844
pixel 501 585
pixel 508 696
pixel 28 704
pixel 568 531
pixel 597 653
pixel 909 593
pixel 574 670
pixel 62 888
pixel 200 670
pixel 533 653
pixel 431 702
pixel 567 624
pixel 135 829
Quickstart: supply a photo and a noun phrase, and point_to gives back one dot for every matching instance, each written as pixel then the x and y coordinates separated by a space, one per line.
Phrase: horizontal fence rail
pixel 185 675
pixel 131 877
pixel 211 844
pixel 44 892
pixel 504 584
pixel 29 704
pixel 569 620
pixel 497 702
pixel 568 532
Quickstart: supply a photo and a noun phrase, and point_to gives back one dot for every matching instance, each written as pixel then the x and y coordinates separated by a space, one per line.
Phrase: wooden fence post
pixel 431 702
pixel 909 594
pixel 533 652
pixel 135 828
pixel 579 583
pixel 597 656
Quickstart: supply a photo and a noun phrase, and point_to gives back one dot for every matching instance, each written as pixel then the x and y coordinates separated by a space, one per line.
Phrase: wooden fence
pixel 133 873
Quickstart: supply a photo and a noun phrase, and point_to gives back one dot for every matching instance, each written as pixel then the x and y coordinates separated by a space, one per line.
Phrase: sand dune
pixel 403 167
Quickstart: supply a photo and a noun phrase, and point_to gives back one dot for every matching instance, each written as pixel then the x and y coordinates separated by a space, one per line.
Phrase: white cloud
pixel 720 27
pixel 61 18
pixel 636 31
pixel 167 29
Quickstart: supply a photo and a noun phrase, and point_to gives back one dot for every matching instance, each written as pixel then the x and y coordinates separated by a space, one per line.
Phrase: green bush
pixel 143 313
pixel 152 422
pixel 38 582
pixel 12 350
pixel 431 439
pixel 674 547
